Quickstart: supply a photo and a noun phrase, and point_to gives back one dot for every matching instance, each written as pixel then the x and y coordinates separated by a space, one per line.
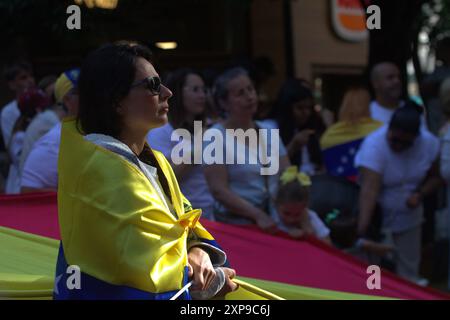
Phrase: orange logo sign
pixel 349 20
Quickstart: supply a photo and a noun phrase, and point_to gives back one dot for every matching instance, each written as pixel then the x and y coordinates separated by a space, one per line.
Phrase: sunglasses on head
pixel 153 84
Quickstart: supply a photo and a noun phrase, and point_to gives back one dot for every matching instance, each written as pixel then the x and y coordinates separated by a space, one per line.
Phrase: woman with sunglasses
pixel 398 167
pixel 124 222
pixel 188 105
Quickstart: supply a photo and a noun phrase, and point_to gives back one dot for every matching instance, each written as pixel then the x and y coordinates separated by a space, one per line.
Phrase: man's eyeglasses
pixel 153 84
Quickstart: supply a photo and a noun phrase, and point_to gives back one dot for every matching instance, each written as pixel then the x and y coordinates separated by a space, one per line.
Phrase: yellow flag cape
pixel 344 132
pixel 113 224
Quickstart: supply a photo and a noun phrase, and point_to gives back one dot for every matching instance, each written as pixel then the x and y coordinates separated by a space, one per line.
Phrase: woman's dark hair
pixel 407 118
pixel 176 81
pixel 220 88
pixel 105 79
pixel 293 91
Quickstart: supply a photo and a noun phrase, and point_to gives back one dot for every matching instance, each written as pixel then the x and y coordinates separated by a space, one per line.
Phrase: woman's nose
pixel 202 94
pixel 165 92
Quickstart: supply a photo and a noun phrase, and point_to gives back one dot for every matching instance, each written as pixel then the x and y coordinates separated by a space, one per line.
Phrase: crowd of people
pixel 381 146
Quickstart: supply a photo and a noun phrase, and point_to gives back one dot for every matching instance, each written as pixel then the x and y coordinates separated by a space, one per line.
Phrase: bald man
pixel 386 82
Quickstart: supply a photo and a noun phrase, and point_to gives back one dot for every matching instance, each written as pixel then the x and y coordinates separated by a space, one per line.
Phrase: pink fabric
pixel 307 263
pixel 35 213
pixel 251 252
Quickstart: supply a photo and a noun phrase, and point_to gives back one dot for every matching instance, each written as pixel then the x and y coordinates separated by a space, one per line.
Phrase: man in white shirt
pixel 398 167
pixel 19 77
pixel 40 171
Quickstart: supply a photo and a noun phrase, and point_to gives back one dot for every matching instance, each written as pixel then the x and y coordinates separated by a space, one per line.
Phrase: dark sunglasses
pixel 153 84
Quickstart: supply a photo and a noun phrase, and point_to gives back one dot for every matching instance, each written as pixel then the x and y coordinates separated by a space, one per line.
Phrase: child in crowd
pixel 298 221
pixel 294 217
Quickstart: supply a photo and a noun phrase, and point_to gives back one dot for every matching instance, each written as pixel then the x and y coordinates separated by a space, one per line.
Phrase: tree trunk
pixel 394 41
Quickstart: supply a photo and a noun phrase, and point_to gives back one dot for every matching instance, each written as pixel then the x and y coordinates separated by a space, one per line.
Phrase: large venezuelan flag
pixel 341 142
pixel 290 269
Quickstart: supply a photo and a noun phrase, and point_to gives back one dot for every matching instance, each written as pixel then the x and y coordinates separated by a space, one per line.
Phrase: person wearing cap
pixel 398 167
pixel 39 168
pixel 65 97
pixel 30 103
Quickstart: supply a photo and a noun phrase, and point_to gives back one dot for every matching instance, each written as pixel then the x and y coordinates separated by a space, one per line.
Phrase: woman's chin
pixel 160 121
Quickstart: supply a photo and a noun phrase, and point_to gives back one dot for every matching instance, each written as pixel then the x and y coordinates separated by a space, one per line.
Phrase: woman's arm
pixel 298 141
pixel 182 170
pixel 433 181
pixel 370 189
pixel 33 190
pixel 284 163
pixel 217 178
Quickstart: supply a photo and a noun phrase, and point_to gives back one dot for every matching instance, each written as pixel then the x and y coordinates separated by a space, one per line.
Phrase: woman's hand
pixel 229 285
pixel 298 141
pixel 296 233
pixel 380 249
pixel 305 223
pixel 301 138
pixel 201 268
pixel 266 223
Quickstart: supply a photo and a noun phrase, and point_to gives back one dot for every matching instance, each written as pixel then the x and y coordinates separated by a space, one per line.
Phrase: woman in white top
pixel 187 105
pixel 398 167
pixel 243 195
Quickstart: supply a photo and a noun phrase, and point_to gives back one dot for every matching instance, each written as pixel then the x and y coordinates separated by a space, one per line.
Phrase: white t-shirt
pixel 321 231
pixel 41 167
pixel 14 150
pixel 401 174
pixel 8 117
pixel 193 185
pixel 41 124
pixel 383 114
